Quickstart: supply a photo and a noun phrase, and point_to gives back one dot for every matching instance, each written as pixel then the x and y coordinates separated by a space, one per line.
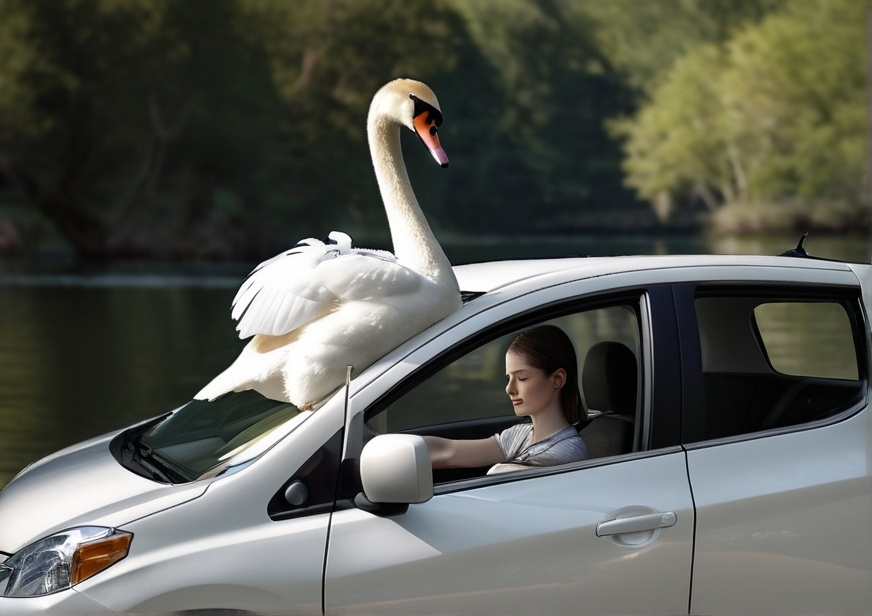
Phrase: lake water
pixel 86 352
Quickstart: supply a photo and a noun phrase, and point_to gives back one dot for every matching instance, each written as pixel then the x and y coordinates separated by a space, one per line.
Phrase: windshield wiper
pixel 154 463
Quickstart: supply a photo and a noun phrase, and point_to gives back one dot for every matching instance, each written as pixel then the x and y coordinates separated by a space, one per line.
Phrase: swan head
pixel 411 104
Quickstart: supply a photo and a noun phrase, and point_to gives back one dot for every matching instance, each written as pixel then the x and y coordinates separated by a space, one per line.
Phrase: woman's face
pixel 530 389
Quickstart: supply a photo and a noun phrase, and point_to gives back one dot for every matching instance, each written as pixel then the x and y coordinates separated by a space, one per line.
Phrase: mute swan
pixel 324 305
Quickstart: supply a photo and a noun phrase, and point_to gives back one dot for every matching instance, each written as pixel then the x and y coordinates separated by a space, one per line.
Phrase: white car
pixel 730 466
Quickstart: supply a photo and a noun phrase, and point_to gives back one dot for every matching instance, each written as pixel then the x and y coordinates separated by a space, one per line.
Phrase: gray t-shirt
pixel 559 448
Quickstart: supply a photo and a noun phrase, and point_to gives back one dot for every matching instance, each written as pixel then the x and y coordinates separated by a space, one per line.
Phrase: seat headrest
pixel 609 377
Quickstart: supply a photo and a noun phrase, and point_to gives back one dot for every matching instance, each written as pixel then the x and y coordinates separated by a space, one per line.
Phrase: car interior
pixel 609 383
pixel 757 379
pixel 466 398
pixel 609 379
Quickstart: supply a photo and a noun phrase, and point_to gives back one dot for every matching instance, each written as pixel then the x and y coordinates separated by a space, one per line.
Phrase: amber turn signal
pixel 93 557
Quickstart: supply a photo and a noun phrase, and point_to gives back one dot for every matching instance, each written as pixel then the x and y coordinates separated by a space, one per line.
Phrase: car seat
pixel 609 384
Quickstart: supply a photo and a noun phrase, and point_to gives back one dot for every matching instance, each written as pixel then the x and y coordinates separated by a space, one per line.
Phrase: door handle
pixel 635 524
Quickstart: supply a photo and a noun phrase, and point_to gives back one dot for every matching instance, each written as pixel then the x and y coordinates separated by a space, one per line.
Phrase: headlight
pixel 62 560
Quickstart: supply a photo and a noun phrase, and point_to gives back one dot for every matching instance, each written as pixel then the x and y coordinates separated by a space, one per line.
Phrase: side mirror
pixel 395 468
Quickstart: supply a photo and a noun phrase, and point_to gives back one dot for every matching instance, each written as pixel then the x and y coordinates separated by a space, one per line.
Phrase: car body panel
pixel 81 486
pixel 487 277
pixel 769 511
pixel 523 547
pixel 225 551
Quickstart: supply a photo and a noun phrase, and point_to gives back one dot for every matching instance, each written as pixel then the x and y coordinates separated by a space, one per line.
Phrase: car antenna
pixel 799 251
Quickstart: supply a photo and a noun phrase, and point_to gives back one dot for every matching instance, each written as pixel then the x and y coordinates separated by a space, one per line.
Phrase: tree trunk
pixel 741 180
pixel 702 191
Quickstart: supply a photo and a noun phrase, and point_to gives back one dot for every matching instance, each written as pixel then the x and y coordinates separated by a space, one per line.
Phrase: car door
pixel 777 431
pixel 612 534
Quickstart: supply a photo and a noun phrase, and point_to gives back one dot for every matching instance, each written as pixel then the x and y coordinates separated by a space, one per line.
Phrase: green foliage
pixel 225 128
pixel 776 112
pixel 795 94
pixel 539 142
pixel 214 127
pixel 326 61
pixel 643 40
pixel 121 150
pixel 16 56
pixel 678 143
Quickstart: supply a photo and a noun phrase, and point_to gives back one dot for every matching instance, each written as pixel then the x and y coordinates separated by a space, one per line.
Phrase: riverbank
pixel 61 266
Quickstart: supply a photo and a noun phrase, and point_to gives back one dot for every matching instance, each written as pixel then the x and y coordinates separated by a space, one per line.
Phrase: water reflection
pixel 76 362
pixel 83 355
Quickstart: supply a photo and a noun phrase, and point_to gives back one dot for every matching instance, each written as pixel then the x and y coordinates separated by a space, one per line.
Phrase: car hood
pixel 81 485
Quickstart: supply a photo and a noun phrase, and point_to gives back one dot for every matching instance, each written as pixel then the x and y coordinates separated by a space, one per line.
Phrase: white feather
pixel 285 292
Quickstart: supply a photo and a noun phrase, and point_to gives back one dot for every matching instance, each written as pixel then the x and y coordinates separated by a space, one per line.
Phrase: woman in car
pixel 542 372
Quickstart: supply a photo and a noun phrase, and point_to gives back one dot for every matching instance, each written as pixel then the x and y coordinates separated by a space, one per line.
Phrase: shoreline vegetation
pixel 35 240
pixel 174 130
pixel 59 265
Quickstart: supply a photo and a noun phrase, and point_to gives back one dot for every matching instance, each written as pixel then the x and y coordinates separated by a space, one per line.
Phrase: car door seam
pixel 693 533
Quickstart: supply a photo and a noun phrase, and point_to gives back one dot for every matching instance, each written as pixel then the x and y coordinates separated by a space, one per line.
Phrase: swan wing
pixel 284 292
pixel 300 284
pixel 369 275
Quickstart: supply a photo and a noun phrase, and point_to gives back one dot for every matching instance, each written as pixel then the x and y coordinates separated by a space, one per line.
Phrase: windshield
pixel 206 439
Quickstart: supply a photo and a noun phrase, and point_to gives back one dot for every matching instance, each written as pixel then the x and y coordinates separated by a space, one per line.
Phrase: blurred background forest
pixel 182 140
pixel 225 129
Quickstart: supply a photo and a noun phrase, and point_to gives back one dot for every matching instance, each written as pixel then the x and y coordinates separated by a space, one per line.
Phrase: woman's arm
pixel 452 453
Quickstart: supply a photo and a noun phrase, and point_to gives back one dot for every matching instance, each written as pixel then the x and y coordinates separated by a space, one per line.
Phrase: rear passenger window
pixel 808 339
pixel 772 361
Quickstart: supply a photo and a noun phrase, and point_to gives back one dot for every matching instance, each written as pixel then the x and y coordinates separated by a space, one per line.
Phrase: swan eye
pixel 434 115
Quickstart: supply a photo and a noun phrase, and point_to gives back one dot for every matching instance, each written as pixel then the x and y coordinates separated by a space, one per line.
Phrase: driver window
pixel 466 399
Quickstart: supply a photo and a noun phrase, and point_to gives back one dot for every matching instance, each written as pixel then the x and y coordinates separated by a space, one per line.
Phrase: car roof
pixel 491 275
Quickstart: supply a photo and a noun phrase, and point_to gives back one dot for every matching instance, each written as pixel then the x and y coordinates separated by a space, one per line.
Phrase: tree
pixel 795 94
pixel 776 113
pixel 327 59
pixel 677 144
pixel 119 147
pixel 194 128
pixel 225 128
pixel 644 40
pixel 536 140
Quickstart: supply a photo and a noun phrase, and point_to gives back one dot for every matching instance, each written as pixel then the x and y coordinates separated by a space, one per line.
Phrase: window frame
pixel 693 387
pixel 508 325
pixel 654 314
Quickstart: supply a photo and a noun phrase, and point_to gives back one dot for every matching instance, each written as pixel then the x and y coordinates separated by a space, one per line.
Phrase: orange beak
pixel 425 126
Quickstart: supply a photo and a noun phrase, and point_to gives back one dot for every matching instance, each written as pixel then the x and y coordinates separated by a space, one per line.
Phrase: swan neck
pixel 415 245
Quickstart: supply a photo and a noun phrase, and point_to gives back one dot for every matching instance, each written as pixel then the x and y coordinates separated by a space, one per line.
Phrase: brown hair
pixel 548 348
